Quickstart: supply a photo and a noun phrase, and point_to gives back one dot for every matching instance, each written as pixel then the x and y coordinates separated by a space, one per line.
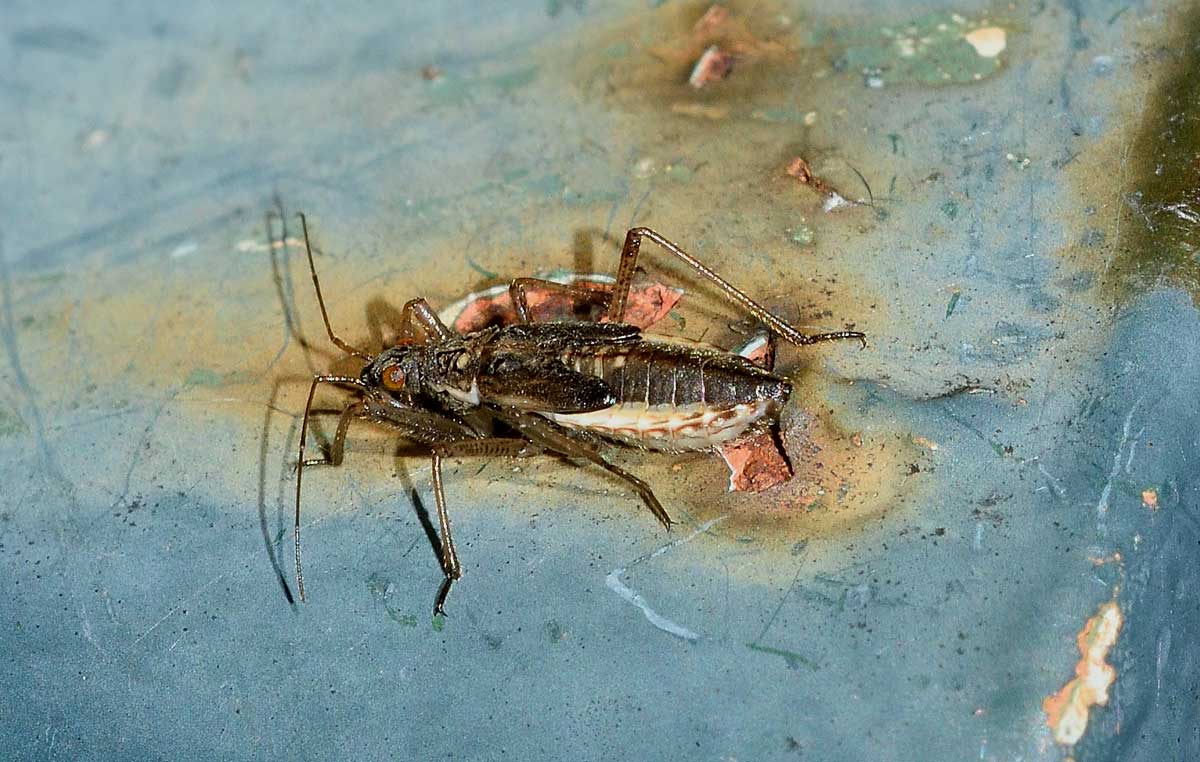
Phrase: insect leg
pixel 629 255
pixel 321 300
pixel 419 312
pixel 491 446
pixel 337 449
pixel 516 291
pixel 557 439
pixel 300 462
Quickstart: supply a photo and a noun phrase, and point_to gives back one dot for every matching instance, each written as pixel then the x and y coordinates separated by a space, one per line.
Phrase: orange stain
pixel 1067 710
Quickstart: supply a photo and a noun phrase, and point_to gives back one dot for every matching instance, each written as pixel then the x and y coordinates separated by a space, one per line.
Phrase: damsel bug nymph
pixel 567 388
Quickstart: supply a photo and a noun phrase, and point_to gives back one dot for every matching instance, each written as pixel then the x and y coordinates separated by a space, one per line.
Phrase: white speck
pixel 875 82
pixel 1101 66
pixel 834 201
pixel 810 118
pixel 183 249
pixel 95 139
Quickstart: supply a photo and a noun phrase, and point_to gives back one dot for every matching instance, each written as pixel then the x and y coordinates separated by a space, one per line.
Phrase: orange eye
pixel 393 378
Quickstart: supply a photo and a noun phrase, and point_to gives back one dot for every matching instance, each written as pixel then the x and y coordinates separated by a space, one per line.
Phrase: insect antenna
pixel 300 461
pixel 342 345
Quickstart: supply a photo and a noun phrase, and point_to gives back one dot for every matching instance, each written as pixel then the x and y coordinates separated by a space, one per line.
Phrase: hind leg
pixel 629 257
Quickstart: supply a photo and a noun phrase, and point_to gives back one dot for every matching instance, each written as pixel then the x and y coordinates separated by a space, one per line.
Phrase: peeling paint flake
pixel 938 48
pixel 1067 710
pixel 649 302
pixel 755 464
pixel 989 42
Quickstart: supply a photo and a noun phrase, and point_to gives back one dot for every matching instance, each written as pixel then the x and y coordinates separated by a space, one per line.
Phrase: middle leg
pixel 489 447
pixel 555 439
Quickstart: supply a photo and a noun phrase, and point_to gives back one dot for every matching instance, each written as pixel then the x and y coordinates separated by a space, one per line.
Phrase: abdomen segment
pixel 676 397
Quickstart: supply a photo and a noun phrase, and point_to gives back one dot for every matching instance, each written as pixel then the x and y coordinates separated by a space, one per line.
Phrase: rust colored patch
pixel 720 30
pixel 649 302
pixel 761 352
pixel 676 51
pixel 713 65
pixel 1150 499
pixel 712 21
pixel 755 464
pixel 799 169
pixel 1067 710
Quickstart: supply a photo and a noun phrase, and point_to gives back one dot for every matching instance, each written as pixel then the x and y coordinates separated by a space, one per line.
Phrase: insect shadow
pixel 383 322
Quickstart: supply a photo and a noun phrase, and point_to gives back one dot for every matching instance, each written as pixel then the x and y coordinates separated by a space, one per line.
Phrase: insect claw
pixel 439 605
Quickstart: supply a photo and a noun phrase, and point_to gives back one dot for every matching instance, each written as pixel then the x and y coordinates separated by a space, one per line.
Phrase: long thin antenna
pixel 342 345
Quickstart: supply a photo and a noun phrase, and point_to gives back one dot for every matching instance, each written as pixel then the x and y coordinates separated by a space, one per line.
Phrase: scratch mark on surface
pixel 184 249
pixel 1120 201
pixel 1137 438
pixel 1161 650
pixel 638 208
pixel 614 583
pixel 251 246
pixel 779 606
pixel 136 457
pixel 1106 493
pixel 12 349
pixel 87 629
pixel 175 608
pixel 1054 483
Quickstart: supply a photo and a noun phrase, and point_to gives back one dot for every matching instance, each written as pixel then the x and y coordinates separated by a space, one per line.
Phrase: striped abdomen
pixel 676 396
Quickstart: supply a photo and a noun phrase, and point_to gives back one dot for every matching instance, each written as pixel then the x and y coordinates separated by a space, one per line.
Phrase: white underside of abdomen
pixel 668 427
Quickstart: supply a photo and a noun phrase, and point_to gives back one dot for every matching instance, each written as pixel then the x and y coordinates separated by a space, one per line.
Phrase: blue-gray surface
pixel 151 379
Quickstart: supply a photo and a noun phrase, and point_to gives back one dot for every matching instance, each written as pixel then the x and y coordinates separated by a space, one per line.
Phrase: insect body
pixel 675 397
pixel 562 388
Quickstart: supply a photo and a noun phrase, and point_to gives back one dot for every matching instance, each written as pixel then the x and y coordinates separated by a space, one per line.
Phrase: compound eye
pixel 393 378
